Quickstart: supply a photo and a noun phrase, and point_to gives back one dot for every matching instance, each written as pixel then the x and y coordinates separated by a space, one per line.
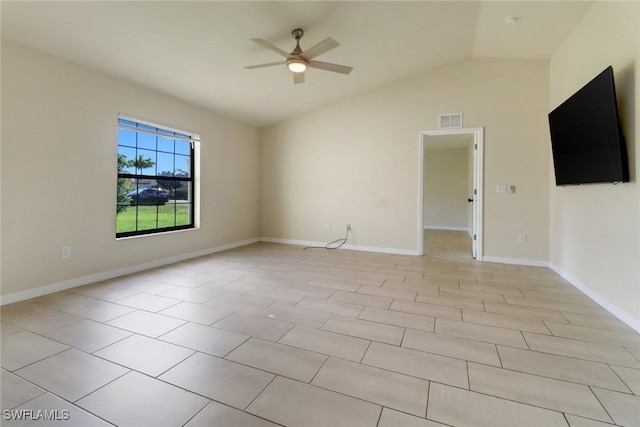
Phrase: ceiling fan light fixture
pixel 298 61
pixel 297 65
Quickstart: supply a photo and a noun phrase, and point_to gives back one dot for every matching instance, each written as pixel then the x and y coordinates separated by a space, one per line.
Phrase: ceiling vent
pixel 450 121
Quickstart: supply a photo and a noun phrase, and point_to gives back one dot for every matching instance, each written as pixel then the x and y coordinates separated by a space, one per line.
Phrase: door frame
pixel 478 174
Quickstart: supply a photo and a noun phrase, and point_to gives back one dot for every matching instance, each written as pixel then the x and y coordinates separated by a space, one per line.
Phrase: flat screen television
pixel 586 138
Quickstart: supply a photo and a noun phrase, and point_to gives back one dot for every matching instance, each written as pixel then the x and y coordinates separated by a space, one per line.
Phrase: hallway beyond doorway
pixel 447 243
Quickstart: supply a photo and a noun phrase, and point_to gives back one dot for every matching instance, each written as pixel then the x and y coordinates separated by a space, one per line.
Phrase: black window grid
pixel 176 180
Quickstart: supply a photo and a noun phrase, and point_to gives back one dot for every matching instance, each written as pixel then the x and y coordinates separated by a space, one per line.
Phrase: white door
pixel 474 203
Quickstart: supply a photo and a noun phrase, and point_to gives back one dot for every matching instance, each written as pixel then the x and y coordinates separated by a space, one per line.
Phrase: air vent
pixel 450 121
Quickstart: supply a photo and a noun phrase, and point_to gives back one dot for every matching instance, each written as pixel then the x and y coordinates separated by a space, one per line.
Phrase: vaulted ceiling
pixel 197 50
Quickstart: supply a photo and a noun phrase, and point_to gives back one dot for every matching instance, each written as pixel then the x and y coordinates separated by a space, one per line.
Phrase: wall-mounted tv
pixel 586 138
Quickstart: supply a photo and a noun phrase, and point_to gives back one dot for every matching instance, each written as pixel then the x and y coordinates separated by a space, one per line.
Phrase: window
pixel 155 178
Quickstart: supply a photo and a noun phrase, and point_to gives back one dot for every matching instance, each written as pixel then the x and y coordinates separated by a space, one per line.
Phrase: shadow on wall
pixel 625 81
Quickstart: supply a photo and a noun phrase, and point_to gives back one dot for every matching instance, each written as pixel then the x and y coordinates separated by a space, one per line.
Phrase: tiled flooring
pixel 270 334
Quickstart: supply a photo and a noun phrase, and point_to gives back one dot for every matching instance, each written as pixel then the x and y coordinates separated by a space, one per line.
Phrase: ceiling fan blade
pixel 320 48
pixel 327 66
pixel 298 77
pixel 269 46
pixel 270 64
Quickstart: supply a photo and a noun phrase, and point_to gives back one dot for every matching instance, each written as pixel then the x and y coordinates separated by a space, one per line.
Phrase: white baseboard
pixel 516 261
pixel 80 281
pixel 446 228
pixel 625 317
pixel 393 251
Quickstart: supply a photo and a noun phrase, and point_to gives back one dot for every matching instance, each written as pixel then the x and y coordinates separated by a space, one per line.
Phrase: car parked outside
pixel 148 196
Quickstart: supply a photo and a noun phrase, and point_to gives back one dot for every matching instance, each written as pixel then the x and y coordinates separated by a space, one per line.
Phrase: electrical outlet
pixel 65 252
pixel 348 227
pixel 327 226
pixel 522 238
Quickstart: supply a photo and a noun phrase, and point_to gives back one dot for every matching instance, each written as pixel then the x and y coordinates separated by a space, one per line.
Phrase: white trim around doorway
pixel 478 174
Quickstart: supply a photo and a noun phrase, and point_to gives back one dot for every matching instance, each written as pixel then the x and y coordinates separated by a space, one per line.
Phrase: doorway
pixel 452 138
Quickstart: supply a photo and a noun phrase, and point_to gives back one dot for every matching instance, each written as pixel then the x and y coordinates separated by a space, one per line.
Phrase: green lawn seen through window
pixel 151 217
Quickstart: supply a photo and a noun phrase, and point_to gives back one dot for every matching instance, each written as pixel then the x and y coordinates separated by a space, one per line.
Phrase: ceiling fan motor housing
pixel 296 62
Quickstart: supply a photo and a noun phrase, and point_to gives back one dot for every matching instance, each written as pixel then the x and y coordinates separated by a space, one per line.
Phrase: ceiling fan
pixel 298 60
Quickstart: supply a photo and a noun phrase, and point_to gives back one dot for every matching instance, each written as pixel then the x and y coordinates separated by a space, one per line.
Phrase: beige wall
pixel 59 172
pixel 357 161
pixel 595 229
pixel 446 176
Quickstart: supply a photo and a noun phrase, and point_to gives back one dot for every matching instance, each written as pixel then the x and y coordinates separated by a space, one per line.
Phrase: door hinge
pixel 475 237
pixel 475 191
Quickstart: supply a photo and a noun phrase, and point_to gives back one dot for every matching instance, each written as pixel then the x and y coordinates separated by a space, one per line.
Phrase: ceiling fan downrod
pixel 297 34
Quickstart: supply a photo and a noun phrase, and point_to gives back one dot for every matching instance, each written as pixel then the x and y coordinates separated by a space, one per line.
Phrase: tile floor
pixel 271 334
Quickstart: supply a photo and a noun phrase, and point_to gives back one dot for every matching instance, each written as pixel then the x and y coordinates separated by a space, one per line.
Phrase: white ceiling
pixel 197 50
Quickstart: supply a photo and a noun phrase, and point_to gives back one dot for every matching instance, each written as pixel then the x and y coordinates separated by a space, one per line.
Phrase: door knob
pixel 469 200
